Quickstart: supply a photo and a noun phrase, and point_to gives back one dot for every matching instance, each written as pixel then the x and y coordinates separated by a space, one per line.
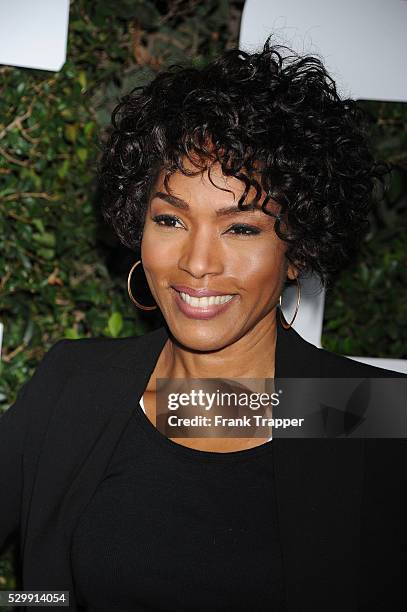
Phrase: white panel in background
pixel 363 42
pixel 33 33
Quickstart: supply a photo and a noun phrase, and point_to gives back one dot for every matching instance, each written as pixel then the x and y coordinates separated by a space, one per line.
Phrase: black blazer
pixel 342 503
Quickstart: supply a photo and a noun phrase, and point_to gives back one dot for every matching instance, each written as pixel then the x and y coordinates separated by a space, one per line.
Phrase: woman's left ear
pixel 292 272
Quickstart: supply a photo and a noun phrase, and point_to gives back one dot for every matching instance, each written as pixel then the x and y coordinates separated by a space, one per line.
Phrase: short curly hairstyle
pixel 269 118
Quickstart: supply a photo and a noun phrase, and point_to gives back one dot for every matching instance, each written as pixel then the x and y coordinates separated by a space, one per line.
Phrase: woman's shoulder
pixel 336 365
pixel 99 351
pixel 316 361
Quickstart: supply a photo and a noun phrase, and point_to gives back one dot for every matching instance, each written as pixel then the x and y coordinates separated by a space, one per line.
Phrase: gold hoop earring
pixel 283 323
pixel 133 299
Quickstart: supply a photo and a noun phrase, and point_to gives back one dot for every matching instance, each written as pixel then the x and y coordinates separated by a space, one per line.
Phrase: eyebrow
pixel 179 203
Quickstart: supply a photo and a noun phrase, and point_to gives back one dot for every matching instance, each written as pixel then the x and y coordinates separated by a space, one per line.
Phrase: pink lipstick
pixel 199 304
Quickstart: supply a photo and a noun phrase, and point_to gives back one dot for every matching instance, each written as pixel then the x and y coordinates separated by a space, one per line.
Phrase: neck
pixel 251 356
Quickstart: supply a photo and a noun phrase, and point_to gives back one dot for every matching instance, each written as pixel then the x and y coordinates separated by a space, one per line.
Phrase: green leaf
pixel 115 324
pixel 39 225
pixel 88 129
pixel 46 253
pixel 82 153
pixel 71 333
pixel 71 132
pixel 82 79
pixel 63 168
pixel 46 239
pixel 66 113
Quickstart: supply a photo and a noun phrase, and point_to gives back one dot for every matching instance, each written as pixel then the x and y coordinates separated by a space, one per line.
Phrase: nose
pixel 201 254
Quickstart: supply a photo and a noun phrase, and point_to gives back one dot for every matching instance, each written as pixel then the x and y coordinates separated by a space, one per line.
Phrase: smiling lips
pixel 205 305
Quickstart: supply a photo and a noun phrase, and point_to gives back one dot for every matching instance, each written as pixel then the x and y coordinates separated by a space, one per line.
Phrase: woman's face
pixel 193 241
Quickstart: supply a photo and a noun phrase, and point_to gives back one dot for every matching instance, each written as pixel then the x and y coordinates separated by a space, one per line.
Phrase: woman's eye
pixel 165 220
pixel 237 229
pixel 245 230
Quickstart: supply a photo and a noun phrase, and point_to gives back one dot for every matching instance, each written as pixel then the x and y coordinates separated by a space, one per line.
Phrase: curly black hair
pixel 271 119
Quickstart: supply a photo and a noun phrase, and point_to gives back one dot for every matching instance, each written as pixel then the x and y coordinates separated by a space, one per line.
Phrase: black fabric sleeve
pixel 13 431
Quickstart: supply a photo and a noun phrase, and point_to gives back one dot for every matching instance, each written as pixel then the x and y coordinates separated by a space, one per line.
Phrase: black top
pixel 342 504
pixel 173 528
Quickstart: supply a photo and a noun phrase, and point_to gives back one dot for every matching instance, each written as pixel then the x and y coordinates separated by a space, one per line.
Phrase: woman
pixel 234 179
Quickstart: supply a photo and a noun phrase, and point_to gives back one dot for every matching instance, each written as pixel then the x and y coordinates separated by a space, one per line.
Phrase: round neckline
pixel 193 453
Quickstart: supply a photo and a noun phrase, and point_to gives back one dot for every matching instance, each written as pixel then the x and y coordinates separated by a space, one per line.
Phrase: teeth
pixel 205 301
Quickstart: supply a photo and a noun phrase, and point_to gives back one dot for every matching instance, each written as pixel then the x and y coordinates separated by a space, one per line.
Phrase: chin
pixel 202 336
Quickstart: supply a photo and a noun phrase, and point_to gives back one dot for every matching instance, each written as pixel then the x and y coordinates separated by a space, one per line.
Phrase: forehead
pixel 210 184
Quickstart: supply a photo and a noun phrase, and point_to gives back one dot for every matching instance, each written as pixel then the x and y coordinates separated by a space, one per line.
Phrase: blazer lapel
pixel 318 482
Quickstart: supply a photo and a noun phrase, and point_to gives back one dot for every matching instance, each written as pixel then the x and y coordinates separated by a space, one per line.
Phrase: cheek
pixel 156 254
pixel 263 267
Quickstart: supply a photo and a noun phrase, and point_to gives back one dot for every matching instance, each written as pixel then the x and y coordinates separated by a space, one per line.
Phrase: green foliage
pixel 366 309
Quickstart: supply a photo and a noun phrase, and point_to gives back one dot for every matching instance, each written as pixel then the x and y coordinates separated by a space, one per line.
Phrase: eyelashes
pixel 158 218
pixel 239 229
pixel 243 229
